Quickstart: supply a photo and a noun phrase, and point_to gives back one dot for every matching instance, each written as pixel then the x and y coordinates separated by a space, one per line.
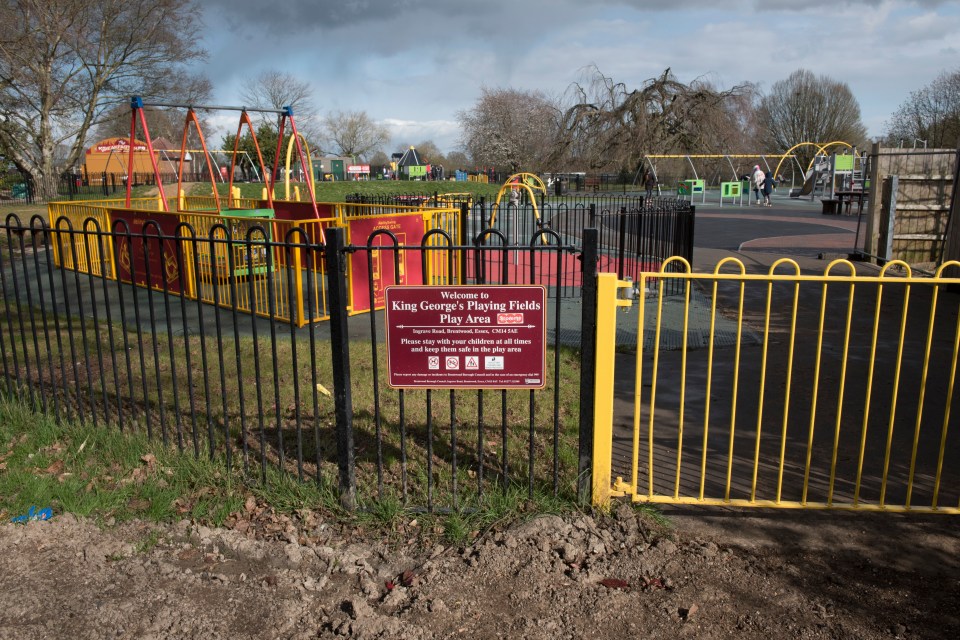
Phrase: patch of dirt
pixel 619 576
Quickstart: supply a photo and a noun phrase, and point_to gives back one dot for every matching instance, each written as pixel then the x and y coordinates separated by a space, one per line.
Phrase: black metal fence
pixel 19 188
pixel 636 234
pixel 213 381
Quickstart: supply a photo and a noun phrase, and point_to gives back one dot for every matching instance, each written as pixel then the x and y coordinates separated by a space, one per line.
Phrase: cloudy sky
pixel 413 64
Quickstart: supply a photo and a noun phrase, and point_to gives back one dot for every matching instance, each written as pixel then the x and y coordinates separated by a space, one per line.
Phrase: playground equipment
pixel 526 183
pixel 819 177
pixel 823 171
pixel 690 189
pixel 735 191
pixel 137 115
pixel 244 161
pixel 714 175
pixel 308 168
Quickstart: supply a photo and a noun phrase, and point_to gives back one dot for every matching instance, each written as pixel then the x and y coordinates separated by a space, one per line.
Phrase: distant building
pixel 112 156
pixel 411 166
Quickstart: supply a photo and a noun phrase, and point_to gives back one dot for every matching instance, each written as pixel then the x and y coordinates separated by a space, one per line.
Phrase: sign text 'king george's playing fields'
pixel 468 337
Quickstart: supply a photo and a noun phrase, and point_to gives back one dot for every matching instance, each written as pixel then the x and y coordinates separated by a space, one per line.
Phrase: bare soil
pixel 713 574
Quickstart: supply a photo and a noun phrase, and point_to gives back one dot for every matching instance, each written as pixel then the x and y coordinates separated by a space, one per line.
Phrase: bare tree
pixel 353 133
pixel 809 108
pixel 931 114
pixel 457 160
pixel 273 89
pixel 509 128
pixel 64 62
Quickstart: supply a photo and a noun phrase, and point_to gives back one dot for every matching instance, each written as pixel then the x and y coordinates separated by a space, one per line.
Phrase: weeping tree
pixel 601 124
pixel 608 125
pixel 64 63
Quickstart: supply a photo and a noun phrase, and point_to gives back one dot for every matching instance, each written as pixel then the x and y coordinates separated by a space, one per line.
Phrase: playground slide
pixel 807 187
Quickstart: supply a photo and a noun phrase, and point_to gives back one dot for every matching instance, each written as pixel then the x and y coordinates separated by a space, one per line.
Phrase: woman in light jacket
pixel 758 179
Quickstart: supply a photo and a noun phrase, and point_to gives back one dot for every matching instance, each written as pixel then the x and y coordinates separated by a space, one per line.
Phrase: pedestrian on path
pixel 767 188
pixel 758 179
pixel 650 183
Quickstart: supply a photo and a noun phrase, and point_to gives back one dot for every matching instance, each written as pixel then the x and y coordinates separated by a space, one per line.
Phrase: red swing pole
pixel 245 119
pixel 192 117
pixel 136 106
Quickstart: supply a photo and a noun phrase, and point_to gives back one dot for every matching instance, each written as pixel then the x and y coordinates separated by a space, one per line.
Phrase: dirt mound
pixel 551 577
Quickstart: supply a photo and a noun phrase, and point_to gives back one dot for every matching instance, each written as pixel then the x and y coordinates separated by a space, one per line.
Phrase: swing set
pixel 265 244
pixel 137 114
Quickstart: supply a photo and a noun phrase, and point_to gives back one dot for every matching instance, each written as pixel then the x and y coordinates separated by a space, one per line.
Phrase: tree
pixel 809 108
pixel 353 134
pixel 457 160
pixel 64 63
pixel 266 133
pixel 430 152
pixel 606 125
pixel 509 128
pixel 273 89
pixel 931 114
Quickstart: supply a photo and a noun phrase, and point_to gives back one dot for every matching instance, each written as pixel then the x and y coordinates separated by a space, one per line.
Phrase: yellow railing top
pixel 886 272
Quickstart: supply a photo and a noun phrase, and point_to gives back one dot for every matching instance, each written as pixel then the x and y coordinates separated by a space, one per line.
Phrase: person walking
pixel 758 180
pixel 767 188
pixel 650 183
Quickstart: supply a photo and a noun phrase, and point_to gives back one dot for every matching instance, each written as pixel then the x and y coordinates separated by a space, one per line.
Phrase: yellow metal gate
pixel 785 390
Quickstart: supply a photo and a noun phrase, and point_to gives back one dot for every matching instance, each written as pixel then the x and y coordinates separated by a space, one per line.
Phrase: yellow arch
pixel 521 181
pixel 821 148
pixel 308 170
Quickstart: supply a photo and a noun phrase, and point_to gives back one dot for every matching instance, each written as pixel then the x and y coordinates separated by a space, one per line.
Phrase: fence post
pixel 688 254
pixel 463 239
pixel 340 353
pixel 622 242
pixel 890 214
pixel 588 371
pixel 593 215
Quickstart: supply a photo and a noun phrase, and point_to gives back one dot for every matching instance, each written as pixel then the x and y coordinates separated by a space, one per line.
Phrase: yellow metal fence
pixel 264 266
pixel 781 389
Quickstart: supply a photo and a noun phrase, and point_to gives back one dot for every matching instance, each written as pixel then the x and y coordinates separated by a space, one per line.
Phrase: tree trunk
pixel 46 183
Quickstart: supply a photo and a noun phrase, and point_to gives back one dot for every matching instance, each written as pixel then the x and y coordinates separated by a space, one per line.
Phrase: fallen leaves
pixel 408 578
pixel 138 504
pixel 12 446
pixel 615 583
pixel 55 468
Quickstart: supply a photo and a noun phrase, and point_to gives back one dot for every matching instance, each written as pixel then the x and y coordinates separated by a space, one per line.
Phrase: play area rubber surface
pixel 788 227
